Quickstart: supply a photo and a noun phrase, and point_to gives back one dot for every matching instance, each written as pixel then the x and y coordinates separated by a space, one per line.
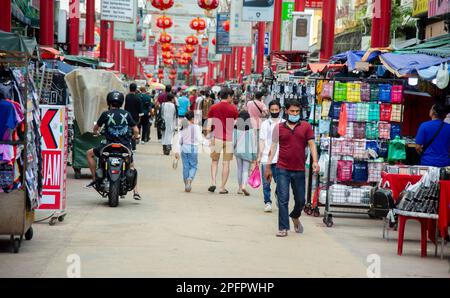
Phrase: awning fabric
pixel 404 64
pixel 319 67
pixel 351 57
pixel 11 42
pixel 81 59
pixel 61 66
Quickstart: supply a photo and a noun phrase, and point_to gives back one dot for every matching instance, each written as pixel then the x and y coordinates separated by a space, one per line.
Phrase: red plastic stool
pixel 424 224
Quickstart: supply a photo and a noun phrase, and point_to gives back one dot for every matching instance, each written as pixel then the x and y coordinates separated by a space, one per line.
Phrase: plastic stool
pixel 424 223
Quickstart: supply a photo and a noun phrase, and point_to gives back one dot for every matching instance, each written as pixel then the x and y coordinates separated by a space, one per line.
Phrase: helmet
pixel 115 99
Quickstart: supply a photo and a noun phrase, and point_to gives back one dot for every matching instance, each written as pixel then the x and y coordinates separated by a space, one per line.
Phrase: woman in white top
pixel 168 112
pixel 265 142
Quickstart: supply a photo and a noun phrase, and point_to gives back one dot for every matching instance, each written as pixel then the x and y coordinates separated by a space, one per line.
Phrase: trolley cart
pixel 81 144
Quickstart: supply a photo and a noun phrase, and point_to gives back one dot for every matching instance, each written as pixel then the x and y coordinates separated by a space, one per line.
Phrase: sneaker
pixel 268 207
pixel 188 186
pixel 136 196
pixel 92 184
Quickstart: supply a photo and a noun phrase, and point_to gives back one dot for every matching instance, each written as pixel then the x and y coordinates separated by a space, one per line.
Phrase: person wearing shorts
pixel 221 120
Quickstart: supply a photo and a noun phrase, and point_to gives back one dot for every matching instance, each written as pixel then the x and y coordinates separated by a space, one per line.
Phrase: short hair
pixel 293 103
pixel 274 103
pixel 212 95
pixel 202 92
pixel 143 89
pixel 440 110
pixel 133 87
pixel 153 92
pixel 259 94
pixel 189 115
pixel 224 93
pixel 168 88
pixel 170 97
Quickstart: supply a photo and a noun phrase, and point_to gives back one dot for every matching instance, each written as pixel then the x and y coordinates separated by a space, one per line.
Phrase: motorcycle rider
pixel 117 123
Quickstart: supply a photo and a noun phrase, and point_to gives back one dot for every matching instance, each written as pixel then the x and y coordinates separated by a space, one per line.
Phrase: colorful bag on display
pixel 337 146
pixel 374 92
pixel 396 113
pixel 342 128
pixel 372 145
pixel 324 126
pixel 351 112
pixel 375 168
pixel 360 171
pixel 385 112
pixel 362 112
pixel 384 129
pixel 344 170
pixel 347 147
pixel 327 90
pixel 371 130
pixel 365 91
pixel 382 149
pixel 349 131
pixel 385 93
pixel 340 91
pixel 359 149
pixel 359 130
pixel 397 149
pixel 335 110
pixel 354 91
pixel 374 112
pixel 326 105
pixel 397 94
pixel 395 131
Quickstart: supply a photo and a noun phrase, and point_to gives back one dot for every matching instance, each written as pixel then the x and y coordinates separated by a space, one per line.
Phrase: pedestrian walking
pixel 205 106
pixel 134 107
pixel 187 147
pixel 221 118
pixel 265 143
pixel 257 110
pixel 162 98
pixel 147 106
pixel 245 149
pixel 168 114
pixel 290 139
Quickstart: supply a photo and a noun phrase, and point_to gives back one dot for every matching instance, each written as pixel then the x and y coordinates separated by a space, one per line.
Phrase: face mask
pixel 294 119
pixel 275 115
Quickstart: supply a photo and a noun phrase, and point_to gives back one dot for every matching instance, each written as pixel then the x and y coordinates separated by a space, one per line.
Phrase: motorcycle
pixel 114 177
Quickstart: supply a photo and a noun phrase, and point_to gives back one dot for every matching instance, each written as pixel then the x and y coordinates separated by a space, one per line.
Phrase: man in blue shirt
pixel 183 105
pixel 435 152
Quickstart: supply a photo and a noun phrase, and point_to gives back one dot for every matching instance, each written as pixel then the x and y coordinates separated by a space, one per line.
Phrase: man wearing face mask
pixel 265 142
pixel 289 140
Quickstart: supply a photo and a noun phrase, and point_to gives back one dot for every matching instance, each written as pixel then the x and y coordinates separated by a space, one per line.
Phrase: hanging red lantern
pixel 172 77
pixel 192 40
pixel 162 4
pixel 183 62
pixel 167 47
pixel 167 55
pixel 160 70
pixel 186 57
pixel 149 75
pixel 168 61
pixel 189 49
pixel 164 22
pixel 165 38
pixel 198 24
pixel 186 72
pixel 177 55
pixel 213 41
pixel 154 80
pixel 226 26
pixel 173 71
pixel 208 4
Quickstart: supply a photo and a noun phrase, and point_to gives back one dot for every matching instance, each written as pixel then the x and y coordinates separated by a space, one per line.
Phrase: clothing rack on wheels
pixel 359 118
pixel 20 162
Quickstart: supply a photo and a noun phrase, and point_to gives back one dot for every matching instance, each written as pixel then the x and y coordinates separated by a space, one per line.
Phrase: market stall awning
pixel 351 57
pixel 25 13
pixel 319 67
pixel 405 64
pixel 437 46
pixel 82 60
pixel 12 42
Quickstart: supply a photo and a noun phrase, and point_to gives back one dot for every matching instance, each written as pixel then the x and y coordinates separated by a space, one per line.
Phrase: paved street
pixel 176 234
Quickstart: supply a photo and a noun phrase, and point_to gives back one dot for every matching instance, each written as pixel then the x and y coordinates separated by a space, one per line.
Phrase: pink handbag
pixel 255 178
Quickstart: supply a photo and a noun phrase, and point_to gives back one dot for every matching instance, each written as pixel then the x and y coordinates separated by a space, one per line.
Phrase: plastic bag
pixel 255 178
pixel 397 149
pixel 342 128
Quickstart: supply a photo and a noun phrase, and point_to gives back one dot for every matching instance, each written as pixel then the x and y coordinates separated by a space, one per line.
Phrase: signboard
pixel 314 4
pixel 420 7
pixel 74 9
pixel 54 144
pixel 266 43
pixel 286 26
pixel 222 36
pixel 438 7
pixel 287 9
pixel 258 10
pixel 240 32
pixel 119 10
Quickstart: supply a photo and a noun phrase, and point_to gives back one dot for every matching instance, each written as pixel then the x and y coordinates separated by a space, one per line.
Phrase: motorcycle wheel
pixel 113 196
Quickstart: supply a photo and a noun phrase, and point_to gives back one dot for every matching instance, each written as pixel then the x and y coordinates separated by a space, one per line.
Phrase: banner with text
pixel 240 31
pixel 222 36
pixel 119 10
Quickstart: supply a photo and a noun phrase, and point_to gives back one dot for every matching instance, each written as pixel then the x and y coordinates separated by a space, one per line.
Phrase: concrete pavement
pixel 171 233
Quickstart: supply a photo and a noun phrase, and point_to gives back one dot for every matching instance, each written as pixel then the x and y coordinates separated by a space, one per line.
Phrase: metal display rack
pixel 371 123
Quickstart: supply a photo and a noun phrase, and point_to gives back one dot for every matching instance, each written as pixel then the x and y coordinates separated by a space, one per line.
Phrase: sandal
pixel 136 196
pixel 212 188
pixel 246 193
pixel 223 192
pixel 282 233
pixel 297 225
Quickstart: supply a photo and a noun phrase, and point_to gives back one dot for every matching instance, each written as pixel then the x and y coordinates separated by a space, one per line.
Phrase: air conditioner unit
pixel 301 31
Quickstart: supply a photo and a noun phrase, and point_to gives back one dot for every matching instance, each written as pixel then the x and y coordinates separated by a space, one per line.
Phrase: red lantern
pixel 172 77
pixel 177 55
pixel 154 80
pixel 162 4
pixel 186 72
pixel 160 70
pixel 164 22
pixel 167 55
pixel 226 26
pixel 198 24
pixel 189 49
pixel 149 75
pixel 173 71
pixel 168 61
pixel 165 38
pixel 167 47
pixel 186 57
pixel 192 40
pixel 183 62
pixel 213 41
pixel 208 4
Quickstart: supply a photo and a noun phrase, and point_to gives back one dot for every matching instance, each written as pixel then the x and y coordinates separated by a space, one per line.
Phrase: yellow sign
pixel 420 7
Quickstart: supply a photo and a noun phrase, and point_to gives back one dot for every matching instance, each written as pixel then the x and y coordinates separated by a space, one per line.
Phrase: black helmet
pixel 115 99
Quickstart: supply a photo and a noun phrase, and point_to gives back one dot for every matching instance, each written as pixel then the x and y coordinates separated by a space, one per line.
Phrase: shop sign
pixel 258 11
pixel 420 7
pixel 438 7
pixel 119 10
pixel 314 4
pixel 287 9
pixel 240 32
pixel 222 36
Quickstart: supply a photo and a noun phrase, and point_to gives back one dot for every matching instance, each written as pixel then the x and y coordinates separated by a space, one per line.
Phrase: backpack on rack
pixel 382 201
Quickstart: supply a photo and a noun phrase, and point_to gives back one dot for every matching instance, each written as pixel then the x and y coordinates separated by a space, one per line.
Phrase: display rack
pixel 358 119
pixel 19 199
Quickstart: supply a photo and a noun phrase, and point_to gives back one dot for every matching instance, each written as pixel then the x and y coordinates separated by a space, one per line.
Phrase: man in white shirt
pixel 265 142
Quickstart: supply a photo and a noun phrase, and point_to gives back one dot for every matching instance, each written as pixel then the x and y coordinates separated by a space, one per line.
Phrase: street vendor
pixel 433 139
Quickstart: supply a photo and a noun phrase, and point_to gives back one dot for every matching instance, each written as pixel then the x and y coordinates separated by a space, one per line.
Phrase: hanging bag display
pixel 354 91
pixel 360 171
pixel 344 170
pixel 395 131
pixel 340 91
pixel 359 149
pixel 372 130
pixel 382 149
pixel 359 130
pixel 326 105
pixel 396 113
pixel 374 112
pixel 374 92
pixel 362 112
pixel 335 110
pixel 342 128
pixel 327 90
pixel 351 112
pixel 397 94
pixel 375 168
pixel 385 93
pixel 324 126
pixel 365 91
pixel 385 112
pixel 397 149
pixel 349 131
pixel 347 147
pixel 384 130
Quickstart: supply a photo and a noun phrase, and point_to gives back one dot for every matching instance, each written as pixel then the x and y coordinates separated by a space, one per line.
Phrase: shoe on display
pixel 268 207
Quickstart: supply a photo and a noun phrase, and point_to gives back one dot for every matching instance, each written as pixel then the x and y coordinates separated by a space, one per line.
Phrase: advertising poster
pixel 212 55
pixel 222 36
pixel 240 31
pixel 119 10
pixel 258 10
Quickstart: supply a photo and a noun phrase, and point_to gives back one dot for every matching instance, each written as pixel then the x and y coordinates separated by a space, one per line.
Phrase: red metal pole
pixel 104 40
pixel 5 16
pixel 385 22
pixel 328 19
pixel 222 70
pixel 248 60
pixel 260 51
pixel 226 67
pixel 74 24
pixel 116 55
pixel 276 27
pixel 300 5
pixel 233 64
pixel 47 30
pixel 375 34
pixel 110 43
pixel 240 56
pixel 90 22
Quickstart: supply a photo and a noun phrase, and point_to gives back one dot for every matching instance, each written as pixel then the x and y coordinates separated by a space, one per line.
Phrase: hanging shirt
pixel 8 119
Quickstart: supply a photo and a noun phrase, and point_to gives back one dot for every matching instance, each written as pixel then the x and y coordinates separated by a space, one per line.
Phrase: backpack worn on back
pixel 268 76
pixel 206 105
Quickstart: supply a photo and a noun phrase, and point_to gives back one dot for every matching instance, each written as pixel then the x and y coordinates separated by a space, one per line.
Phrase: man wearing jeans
pixel 265 142
pixel 290 139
